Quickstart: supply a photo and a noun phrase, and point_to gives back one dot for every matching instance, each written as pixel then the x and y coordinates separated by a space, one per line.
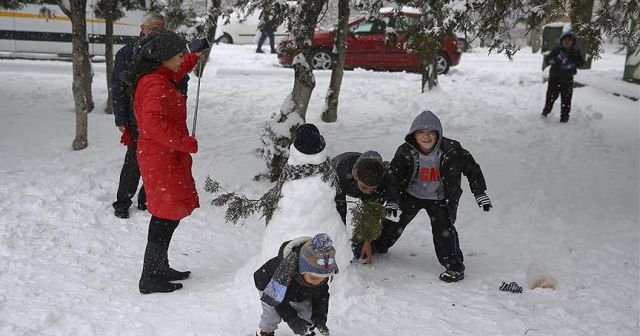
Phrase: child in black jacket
pixel 428 168
pixel 364 176
pixel 294 286
pixel 564 60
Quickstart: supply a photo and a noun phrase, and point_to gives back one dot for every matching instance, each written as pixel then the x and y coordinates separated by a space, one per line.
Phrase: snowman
pixel 307 205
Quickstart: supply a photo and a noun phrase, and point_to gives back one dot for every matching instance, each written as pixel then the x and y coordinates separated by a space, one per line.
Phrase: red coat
pixel 164 144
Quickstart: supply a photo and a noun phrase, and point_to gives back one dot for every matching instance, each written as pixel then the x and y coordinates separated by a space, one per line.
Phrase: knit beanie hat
pixel 161 45
pixel 308 139
pixel 369 168
pixel 318 257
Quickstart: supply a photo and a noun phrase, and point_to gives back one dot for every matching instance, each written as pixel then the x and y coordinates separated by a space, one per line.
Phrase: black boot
pixel 173 275
pixel 564 117
pixel 154 271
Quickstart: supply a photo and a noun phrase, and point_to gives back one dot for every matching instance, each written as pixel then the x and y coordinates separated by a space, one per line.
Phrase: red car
pixel 367 46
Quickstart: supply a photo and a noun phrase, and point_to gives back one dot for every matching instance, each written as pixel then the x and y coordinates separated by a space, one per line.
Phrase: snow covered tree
pixel 301 22
pixel 206 26
pixel 11 4
pixel 330 110
pixel 80 51
pixel 82 72
pixel 610 19
pixel 487 21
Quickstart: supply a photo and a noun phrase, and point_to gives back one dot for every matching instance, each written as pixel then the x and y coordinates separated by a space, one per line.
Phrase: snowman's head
pixel 308 146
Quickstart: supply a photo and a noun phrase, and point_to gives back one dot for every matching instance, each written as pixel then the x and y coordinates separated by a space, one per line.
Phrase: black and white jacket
pixel 297 291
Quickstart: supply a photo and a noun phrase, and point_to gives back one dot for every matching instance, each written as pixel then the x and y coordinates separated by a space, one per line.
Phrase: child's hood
pixel 424 121
pixel 570 34
pixel 291 245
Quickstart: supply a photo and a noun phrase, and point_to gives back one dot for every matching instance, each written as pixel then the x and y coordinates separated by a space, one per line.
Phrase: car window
pixel 371 26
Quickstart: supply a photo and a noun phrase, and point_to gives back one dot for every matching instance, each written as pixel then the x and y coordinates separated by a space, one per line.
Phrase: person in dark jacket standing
pixel 126 121
pixel 364 176
pixel 564 60
pixel 294 286
pixel 428 168
pixel 164 150
pixel 267 28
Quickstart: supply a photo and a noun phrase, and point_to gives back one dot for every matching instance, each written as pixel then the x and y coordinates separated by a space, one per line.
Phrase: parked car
pixel 242 29
pixel 367 45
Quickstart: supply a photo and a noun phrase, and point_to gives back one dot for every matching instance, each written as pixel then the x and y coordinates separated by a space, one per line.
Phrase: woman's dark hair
pixel 141 67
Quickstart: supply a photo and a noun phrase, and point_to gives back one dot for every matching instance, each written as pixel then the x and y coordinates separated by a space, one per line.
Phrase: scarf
pixel 291 173
pixel 276 289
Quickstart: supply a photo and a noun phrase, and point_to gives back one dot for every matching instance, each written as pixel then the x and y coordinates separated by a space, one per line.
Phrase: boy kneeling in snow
pixel 295 286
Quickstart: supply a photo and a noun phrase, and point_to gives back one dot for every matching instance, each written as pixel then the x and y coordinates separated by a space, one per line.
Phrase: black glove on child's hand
pixel 300 326
pixel 392 211
pixel 484 202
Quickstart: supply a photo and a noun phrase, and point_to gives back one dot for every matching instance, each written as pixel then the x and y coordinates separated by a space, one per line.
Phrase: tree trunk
pixel 306 18
pixel 80 77
pixel 210 32
pixel 87 69
pixel 108 55
pixel 330 114
pixel 308 12
pixel 535 39
pixel 429 72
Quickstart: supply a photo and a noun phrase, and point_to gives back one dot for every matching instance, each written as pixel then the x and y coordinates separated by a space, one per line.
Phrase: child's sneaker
pixel 451 276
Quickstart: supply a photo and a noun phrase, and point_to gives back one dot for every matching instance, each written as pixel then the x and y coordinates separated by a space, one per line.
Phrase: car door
pixel 397 55
pixel 366 44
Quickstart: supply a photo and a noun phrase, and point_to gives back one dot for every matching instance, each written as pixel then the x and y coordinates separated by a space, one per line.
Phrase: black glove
pixel 511 287
pixel 484 202
pixel 322 329
pixel 300 326
pixel 393 211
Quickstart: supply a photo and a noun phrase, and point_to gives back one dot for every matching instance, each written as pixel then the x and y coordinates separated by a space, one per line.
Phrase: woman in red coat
pixel 164 150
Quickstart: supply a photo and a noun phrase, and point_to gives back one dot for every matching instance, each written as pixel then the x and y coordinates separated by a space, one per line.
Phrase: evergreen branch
pixel 241 207
pixel 366 221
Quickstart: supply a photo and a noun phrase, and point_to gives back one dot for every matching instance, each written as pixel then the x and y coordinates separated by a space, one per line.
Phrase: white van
pixel 244 30
pixel 44 28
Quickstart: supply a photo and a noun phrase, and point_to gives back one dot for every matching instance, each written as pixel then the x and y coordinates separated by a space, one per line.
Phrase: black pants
pixel 161 230
pixel 130 177
pixel 562 88
pixel 445 236
pixel 267 32
pixel 156 260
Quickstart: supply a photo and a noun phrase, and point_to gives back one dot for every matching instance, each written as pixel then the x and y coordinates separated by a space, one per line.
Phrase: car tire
pixel 442 63
pixel 322 59
pixel 225 38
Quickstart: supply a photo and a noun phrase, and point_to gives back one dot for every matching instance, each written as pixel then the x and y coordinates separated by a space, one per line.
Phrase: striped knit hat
pixel 318 257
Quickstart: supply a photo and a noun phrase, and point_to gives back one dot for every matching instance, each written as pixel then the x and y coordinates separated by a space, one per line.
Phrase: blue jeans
pixel 270 34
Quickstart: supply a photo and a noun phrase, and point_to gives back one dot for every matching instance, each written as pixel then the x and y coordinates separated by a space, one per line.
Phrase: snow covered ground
pixel 566 201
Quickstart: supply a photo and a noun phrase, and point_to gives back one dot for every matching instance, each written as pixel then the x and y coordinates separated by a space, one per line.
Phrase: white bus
pixel 44 28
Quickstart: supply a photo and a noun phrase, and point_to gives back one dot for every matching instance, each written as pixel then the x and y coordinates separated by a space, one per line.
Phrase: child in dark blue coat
pixel 564 60
pixel 294 286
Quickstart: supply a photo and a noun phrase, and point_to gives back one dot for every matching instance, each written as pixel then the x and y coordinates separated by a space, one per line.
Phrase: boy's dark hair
pixel 369 168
